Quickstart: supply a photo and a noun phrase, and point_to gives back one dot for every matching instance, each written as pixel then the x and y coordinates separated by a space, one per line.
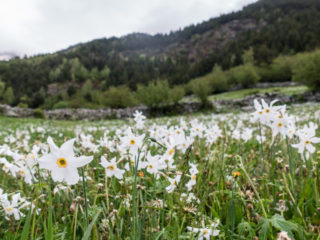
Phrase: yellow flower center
pixel 178 132
pixel 62 163
pixel 171 151
pixel 193 177
pixel 21 172
pixel 260 112
pixel 132 142
pixel 267 110
pixel 280 124
pixel 205 231
pixel 111 167
pixel 9 209
pixel 307 142
pixel 150 166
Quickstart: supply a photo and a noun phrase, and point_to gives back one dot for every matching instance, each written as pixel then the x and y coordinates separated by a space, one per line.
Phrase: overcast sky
pixel 42 26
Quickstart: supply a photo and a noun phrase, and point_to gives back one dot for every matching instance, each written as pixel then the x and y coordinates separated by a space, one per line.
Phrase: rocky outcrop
pixel 245 104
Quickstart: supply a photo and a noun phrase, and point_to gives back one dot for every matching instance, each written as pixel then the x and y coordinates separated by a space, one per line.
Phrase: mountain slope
pixel 270 27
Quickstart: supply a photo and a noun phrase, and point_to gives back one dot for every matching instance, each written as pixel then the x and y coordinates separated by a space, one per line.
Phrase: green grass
pixel 238 94
pixel 139 207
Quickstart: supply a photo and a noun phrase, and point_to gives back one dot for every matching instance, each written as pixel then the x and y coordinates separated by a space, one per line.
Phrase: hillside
pixel 270 27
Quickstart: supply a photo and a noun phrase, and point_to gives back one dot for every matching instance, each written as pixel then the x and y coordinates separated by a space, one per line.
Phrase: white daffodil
pixel 111 167
pixel 62 162
pixel 307 137
pixel 173 183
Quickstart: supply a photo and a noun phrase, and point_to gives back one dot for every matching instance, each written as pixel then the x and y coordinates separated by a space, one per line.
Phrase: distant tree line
pixel 95 73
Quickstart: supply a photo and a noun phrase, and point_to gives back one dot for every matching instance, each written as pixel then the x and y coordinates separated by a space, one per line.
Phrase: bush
pixel 307 70
pixel 201 87
pixel 60 105
pixel 218 79
pixel 245 75
pixel 38 113
pixel 281 69
pixel 176 94
pixel 8 96
pixel 154 94
pixel 22 105
pixel 119 97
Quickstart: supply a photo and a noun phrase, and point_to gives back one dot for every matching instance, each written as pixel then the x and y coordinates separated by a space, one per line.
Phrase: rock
pixel 246 104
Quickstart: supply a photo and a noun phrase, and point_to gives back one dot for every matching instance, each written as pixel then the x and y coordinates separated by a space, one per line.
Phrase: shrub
pixel 307 70
pixel 176 94
pixel 8 96
pixel 38 113
pixel 154 94
pixel 281 69
pixel 245 75
pixel 60 105
pixel 201 87
pixel 218 79
pixel 22 105
pixel 119 97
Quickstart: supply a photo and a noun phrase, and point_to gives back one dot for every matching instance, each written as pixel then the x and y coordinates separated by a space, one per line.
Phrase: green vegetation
pixel 272 43
pixel 241 188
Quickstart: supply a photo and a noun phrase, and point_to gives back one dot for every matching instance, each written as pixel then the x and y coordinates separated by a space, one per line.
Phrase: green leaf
pixel 281 224
pixel 26 228
pixel 264 226
pixel 87 233
pixel 244 227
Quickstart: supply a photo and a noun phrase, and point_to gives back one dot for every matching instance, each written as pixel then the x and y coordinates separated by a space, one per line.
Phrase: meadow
pixel 246 175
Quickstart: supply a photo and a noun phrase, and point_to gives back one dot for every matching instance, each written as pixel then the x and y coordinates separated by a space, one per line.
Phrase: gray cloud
pixel 40 26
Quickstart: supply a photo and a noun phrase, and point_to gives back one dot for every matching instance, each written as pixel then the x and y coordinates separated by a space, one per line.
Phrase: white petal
pixel 310 148
pixel 52 145
pixel 80 161
pixel 315 140
pixel 72 176
pixel 47 161
pixel 58 174
pixel 67 148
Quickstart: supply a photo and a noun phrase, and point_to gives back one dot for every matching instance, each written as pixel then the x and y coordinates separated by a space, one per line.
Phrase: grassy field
pixel 201 176
pixel 238 94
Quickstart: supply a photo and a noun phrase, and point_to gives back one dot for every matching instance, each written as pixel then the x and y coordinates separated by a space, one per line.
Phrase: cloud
pixel 40 26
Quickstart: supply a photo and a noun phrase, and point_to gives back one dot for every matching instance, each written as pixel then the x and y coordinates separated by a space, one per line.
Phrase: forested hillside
pixel 91 70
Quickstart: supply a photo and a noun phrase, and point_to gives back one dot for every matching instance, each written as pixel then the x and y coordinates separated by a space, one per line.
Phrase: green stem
pixel 85 196
pixel 134 197
pixel 253 187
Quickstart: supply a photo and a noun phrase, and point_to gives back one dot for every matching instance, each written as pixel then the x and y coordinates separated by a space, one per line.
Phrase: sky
pixel 30 27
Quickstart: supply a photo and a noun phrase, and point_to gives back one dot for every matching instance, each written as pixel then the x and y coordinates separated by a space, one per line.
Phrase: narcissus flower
pixel 111 167
pixel 62 162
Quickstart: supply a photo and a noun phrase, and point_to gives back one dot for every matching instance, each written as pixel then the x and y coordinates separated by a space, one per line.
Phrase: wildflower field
pixel 211 176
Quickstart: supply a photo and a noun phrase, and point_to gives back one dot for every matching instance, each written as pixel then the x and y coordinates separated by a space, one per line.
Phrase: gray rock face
pixel 245 104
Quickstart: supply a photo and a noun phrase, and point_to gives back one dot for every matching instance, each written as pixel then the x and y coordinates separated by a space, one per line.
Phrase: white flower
pixel 62 162
pixel 283 236
pixel 307 137
pixel 173 183
pixel 111 168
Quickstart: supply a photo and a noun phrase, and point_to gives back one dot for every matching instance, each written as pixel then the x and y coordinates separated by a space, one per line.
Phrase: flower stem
pixel 253 187
pixel 85 196
pixel 106 188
